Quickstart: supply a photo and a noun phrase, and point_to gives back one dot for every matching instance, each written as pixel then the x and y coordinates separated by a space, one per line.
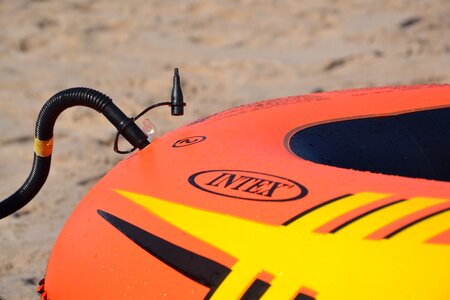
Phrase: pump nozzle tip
pixel 176 97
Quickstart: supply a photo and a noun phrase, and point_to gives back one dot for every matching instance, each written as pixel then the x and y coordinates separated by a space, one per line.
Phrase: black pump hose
pixel 44 138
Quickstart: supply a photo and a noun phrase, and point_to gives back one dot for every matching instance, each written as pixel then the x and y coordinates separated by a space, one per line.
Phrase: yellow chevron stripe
pixel 322 215
pixel 336 266
pixel 237 282
pixel 425 229
pixel 365 226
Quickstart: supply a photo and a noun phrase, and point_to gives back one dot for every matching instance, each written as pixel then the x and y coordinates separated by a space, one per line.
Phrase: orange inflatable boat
pixel 340 195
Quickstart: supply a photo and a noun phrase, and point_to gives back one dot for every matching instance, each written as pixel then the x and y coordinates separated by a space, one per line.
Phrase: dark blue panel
pixel 412 145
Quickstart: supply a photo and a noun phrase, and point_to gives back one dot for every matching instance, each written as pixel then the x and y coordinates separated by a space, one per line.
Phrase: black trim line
pixel 198 268
pixel 256 290
pixel 414 222
pixel 363 215
pixel 303 297
pixel 314 208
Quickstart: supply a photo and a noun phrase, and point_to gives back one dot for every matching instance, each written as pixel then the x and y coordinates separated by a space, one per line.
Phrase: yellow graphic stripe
pixel 425 229
pixel 365 226
pixel 282 289
pixel 232 235
pixel 237 282
pixel 336 266
pixel 328 212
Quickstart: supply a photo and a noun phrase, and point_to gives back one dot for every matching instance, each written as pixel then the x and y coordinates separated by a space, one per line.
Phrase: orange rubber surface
pixel 235 168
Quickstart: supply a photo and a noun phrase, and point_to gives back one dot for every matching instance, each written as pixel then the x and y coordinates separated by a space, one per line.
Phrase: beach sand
pixel 229 53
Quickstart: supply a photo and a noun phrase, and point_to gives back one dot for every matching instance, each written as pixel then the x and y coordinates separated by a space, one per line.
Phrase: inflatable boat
pixel 337 195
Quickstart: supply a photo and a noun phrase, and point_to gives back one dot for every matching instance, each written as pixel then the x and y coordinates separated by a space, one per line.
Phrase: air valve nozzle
pixel 176 98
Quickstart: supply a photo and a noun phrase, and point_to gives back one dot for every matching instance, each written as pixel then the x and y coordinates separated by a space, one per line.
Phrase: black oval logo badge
pixel 248 185
pixel 191 140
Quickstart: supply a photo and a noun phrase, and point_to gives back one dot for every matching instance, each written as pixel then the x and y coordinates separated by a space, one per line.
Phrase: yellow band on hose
pixel 43 148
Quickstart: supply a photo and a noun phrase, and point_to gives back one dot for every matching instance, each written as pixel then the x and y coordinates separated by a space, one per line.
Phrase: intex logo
pixel 248 185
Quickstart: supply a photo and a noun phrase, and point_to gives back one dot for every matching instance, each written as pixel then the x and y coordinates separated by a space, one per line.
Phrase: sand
pixel 229 53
